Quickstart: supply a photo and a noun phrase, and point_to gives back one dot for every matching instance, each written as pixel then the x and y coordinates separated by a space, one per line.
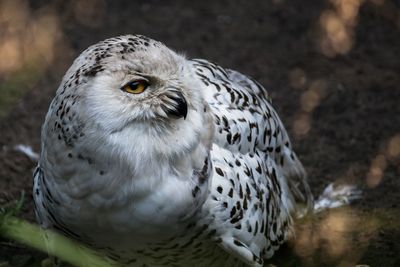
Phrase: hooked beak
pixel 180 108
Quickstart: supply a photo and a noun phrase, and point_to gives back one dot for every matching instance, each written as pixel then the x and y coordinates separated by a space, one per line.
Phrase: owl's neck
pixel 165 177
pixel 154 154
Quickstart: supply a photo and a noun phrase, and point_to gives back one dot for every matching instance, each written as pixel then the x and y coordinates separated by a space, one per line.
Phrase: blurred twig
pixel 51 242
pixel 47 241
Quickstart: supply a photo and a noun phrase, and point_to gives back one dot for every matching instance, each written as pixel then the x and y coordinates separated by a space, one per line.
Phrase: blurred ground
pixel 331 67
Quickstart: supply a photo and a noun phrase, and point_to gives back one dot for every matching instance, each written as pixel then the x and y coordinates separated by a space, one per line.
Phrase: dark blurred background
pixel 331 66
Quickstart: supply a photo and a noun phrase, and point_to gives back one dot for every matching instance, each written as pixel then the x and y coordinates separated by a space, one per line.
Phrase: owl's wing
pixel 248 201
pixel 246 122
pixel 247 127
pixel 278 146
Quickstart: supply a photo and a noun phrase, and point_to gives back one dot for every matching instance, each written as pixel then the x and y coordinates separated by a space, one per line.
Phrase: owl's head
pixel 134 92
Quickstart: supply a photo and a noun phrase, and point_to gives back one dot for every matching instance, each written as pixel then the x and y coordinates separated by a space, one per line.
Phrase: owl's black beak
pixel 180 108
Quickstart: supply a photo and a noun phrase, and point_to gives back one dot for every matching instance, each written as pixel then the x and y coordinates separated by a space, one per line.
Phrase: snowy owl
pixel 154 159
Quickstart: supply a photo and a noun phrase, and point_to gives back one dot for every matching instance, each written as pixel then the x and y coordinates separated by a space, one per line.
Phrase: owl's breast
pixel 109 207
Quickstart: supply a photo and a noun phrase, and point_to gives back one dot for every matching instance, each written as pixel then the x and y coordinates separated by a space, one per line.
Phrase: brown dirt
pixel 340 103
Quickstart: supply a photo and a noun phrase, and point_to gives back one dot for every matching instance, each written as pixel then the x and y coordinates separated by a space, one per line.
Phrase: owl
pixel 154 159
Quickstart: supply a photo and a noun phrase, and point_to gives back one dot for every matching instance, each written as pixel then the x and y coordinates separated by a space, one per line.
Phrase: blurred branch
pixel 50 242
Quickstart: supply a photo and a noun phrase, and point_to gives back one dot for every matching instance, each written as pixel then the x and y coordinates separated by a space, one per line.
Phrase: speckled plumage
pixel 132 177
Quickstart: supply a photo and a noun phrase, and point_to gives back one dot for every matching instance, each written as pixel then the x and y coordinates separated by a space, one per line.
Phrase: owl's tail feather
pixel 335 196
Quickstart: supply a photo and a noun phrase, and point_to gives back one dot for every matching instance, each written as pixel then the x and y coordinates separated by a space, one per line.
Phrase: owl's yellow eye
pixel 135 87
